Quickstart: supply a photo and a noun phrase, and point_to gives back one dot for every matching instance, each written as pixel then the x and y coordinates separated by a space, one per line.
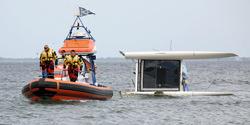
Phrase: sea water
pixel 215 75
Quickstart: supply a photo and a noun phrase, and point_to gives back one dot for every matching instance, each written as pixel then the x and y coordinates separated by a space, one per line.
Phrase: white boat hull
pixel 179 55
pixel 188 93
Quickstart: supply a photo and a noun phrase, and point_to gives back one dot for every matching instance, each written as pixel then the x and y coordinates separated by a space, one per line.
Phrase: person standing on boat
pixel 73 62
pixel 86 70
pixel 47 60
pixel 184 77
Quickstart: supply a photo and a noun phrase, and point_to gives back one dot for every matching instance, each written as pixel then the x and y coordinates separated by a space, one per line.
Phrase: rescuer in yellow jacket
pixel 47 60
pixel 73 62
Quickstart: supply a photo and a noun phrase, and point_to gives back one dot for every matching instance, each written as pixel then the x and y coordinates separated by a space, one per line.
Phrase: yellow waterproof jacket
pixel 48 56
pixel 74 61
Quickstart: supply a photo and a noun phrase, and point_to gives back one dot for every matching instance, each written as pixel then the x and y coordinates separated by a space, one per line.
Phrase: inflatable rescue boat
pixel 60 87
pixel 58 90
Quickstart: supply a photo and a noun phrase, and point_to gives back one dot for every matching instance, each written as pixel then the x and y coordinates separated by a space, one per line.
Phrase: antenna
pixel 171 46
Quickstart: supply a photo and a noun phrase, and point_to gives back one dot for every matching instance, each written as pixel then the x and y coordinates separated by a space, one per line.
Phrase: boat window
pixel 161 74
pixel 149 74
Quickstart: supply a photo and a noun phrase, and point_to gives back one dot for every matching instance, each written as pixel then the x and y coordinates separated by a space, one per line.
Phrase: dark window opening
pixel 161 74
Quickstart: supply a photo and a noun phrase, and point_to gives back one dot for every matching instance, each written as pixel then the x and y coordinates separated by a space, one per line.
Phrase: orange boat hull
pixel 57 90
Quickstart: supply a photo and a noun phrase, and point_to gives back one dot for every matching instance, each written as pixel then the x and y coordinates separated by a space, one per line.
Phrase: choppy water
pixel 231 76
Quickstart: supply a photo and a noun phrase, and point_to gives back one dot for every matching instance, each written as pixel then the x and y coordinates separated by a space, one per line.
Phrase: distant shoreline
pixel 120 58
pixel 3 58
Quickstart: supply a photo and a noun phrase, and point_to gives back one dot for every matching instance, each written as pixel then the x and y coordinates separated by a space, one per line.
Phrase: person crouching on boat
pixel 63 54
pixel 73 62
pixel 47 60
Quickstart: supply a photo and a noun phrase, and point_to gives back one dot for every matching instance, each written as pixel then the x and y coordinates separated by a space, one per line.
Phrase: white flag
pixel 84 12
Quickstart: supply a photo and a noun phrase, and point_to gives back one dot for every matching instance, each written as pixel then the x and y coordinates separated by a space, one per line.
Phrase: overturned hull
pixel 58 90
pixel 179 93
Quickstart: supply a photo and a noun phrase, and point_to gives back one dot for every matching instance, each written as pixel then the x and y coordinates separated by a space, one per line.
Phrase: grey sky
pixel 130 25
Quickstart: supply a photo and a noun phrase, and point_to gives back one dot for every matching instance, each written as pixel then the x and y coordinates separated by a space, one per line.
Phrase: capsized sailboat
pixel 161 72
pixel 60 88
